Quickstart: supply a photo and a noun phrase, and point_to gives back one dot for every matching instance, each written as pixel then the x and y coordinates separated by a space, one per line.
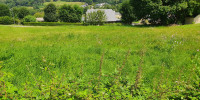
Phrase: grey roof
pixel 110 14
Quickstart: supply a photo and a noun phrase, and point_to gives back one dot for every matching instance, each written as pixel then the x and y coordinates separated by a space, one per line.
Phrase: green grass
pixel 60 3
pixel 165 54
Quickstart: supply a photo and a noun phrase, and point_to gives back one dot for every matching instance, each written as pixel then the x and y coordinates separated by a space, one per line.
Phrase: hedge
pixel 50 23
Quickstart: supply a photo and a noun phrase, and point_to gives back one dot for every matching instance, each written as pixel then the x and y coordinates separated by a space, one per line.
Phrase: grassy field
pixel 156 61
pixel 60 3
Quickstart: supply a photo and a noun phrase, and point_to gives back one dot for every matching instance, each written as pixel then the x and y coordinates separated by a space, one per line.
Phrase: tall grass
pixel 106 62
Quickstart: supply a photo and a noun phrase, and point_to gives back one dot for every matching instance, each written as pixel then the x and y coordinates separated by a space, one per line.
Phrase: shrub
pixel 69 13
pixel 17 21
pixel 95 18
pixel 6 20
pixel 50 13
pixel 4 10
pixel 39 14
pixel 29 18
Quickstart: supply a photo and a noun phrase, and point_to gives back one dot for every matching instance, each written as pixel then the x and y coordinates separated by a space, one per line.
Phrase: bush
pixel 6 20
pixel 39 14
pixel 95 18
pixel 29 18
pixel 17 21
pixel 69 13
pixel 49 23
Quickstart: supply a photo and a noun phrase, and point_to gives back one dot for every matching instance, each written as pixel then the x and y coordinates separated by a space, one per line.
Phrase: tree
pixel 4 10
pixel 69 13
pixel 128 14
pixel 193 8
pixel 50 14
pixel 23 11
pixel 95 17
pixel 162 11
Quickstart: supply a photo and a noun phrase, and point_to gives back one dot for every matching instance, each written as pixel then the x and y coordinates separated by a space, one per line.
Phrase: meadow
pixel 102 62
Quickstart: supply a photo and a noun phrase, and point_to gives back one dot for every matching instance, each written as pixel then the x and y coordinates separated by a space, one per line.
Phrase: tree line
pixel 65 13
pixel 162 12
pixel 72 14
pixel 15 15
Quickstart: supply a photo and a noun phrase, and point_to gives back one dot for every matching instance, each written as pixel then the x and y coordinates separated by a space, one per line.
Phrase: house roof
pixel 110 14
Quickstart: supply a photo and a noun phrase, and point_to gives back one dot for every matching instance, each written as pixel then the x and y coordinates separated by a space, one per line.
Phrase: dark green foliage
pixel 128 13
pixel 193 8
pixel 6 20
pixel 95 18
pixel 22 12
pixel 69 13
pixel 50 23
pixel 29 18
pixel 164 11
pixel 4 10
pixel 50 14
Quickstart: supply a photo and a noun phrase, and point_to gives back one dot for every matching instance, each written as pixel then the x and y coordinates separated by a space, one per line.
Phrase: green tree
pixel 128 14
pixel 4 10
pixel 193 8
pixel 23 11
pixel 69 13
pixel 50 14
pixel 95 17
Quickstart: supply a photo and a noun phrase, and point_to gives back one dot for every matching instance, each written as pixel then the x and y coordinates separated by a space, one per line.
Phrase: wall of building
pixel 191 20
pixel 197 19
